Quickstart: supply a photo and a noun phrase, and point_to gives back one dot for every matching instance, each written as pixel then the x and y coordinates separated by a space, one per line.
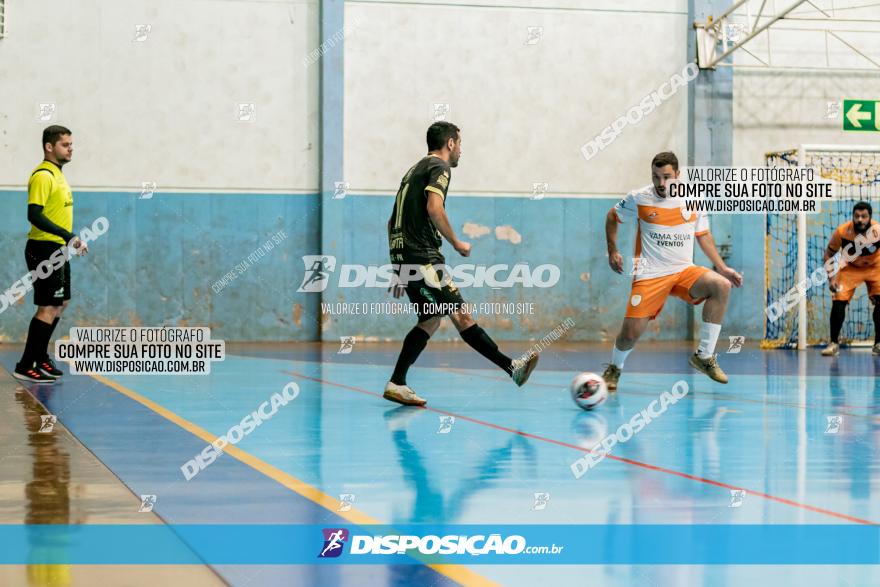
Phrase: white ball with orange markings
pixel 588 390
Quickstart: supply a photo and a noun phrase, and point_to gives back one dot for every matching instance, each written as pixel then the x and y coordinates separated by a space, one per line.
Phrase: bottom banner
pixel 447 544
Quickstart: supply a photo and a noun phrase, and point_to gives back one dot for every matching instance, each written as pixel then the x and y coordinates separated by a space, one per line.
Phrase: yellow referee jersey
pixel 48 188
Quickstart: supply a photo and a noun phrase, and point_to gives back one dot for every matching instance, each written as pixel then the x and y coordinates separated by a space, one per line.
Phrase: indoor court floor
pixel 794 438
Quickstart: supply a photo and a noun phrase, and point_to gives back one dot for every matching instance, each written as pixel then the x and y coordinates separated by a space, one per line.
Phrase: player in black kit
pixel 415 228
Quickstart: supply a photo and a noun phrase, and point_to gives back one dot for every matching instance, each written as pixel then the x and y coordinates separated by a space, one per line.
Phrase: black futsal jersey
pixel 412 237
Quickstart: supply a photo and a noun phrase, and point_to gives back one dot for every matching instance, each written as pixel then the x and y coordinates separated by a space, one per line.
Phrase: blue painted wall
pixel 567 232
pixel 160 258
pixel 157 263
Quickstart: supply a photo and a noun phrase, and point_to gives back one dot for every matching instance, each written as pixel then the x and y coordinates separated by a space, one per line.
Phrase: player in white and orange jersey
pixel 663 265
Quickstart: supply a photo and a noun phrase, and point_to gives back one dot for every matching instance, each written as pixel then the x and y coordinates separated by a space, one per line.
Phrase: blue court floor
pixel 793 439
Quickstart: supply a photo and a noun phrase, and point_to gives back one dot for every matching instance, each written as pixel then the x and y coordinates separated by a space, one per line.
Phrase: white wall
pixel 525 110
pixel 781 109
pixel 164 109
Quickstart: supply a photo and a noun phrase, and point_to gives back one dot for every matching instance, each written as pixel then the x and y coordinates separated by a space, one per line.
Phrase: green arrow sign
pixel 861 115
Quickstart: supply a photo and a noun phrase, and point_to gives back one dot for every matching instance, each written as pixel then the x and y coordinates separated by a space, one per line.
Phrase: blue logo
pixel 334 540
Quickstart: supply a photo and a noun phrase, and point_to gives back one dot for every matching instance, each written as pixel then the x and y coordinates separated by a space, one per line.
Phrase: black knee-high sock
pixel 838 315
pixel 37 342
pixel 480 342
pixel 876 316
pixel 49 339
pixel 413 345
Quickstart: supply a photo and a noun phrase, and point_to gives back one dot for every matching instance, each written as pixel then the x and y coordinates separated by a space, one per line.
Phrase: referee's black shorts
pixel 52 289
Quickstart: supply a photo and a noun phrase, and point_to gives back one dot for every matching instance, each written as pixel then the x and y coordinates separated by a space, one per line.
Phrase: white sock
pixel 618 357
pixel 708 338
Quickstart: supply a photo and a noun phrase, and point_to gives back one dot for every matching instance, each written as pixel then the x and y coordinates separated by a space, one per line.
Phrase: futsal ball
pixel 588 390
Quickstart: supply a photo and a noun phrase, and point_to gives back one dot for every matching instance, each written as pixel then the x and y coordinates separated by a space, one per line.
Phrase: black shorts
pixel 54 289
pixel 431 300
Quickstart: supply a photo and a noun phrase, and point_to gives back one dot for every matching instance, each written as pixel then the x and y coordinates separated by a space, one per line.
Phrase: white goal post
pixel 803 157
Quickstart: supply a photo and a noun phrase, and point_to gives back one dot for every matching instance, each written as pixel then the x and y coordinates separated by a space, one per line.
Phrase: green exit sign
pixel 861 115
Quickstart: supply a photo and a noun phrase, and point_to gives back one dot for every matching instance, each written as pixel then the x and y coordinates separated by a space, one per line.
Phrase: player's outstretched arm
pixel 707 244
pixel 438 216
pixel 615 259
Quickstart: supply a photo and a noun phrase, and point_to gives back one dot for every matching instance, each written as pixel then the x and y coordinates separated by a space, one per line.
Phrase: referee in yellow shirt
pixel 50 212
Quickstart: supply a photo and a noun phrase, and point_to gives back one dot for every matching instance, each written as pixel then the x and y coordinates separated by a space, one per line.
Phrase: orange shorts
pixel 850 278
pixel 648 295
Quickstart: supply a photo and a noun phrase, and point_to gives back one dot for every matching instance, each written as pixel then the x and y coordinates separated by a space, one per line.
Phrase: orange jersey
pixel 844 237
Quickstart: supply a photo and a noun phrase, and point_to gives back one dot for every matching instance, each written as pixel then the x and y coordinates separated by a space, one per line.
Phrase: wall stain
pixel 507 233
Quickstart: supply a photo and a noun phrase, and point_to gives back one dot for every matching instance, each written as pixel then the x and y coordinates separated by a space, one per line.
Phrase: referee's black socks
pixel 483 344
pixel 35 348
pixel 49 338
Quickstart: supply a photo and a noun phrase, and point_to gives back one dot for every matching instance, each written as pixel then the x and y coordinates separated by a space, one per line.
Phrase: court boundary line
pixel 633 462
pixel 456 572
pixel 718 395
pixel 726 396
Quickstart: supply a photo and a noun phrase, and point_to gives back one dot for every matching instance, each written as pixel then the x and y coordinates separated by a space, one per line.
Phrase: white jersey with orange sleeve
pixel 665 232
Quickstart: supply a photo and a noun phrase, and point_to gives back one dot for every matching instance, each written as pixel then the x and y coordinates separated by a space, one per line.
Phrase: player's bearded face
pixel 861 220
pixel 661 176
pixel 63 149
pixel 455 152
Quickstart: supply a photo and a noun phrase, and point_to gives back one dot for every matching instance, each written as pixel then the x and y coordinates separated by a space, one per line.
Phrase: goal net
pixel 794 245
